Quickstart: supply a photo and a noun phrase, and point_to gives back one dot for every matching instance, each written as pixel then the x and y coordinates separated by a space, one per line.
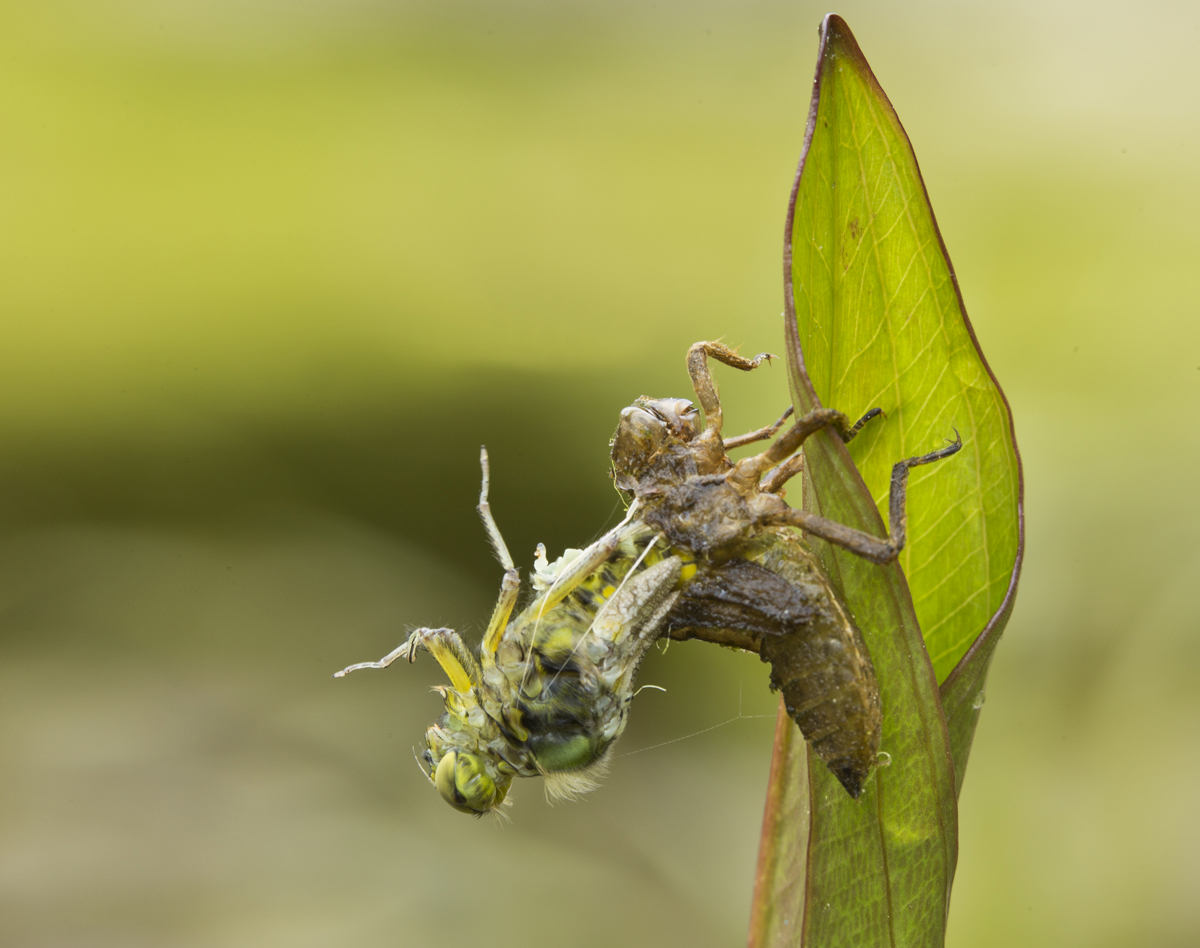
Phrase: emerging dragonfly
pixel 705 551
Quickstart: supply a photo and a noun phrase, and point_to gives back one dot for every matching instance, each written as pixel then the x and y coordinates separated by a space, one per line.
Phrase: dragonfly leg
pixel 489 522
pixel 857 541
pixel 510 586
pixel 702 380
pixel 444 645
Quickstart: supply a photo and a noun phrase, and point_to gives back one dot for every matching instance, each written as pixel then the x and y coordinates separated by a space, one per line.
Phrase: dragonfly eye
pixel 463 782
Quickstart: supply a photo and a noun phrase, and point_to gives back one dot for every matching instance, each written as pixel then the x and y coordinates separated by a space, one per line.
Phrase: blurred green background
pixel 272 270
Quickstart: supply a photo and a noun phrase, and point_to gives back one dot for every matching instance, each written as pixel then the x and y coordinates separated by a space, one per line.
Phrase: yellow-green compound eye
pixel 463 783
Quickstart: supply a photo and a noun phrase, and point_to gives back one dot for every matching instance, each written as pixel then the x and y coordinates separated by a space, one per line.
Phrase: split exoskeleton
pixel 705 551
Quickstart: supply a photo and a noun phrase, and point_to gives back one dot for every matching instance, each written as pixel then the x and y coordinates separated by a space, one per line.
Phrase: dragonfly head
pixel 464 751
pixel 647 428
pixel 468 784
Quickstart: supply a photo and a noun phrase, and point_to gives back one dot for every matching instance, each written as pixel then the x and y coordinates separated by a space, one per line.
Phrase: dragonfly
pixel 707 550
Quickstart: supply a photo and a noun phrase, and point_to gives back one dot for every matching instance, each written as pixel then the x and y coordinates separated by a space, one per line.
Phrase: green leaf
pixel 874 318
pixel 882 324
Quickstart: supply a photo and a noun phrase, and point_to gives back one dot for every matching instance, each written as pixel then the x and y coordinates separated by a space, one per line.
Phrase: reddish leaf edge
pixel 788 748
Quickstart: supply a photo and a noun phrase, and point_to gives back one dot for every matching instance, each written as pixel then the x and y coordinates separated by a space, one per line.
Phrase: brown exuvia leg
pixel 748 471
pixel 857 541
pixel 759 434
pixel 775 480
pixel 814 421
pixel 702 381
pixel 848 436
